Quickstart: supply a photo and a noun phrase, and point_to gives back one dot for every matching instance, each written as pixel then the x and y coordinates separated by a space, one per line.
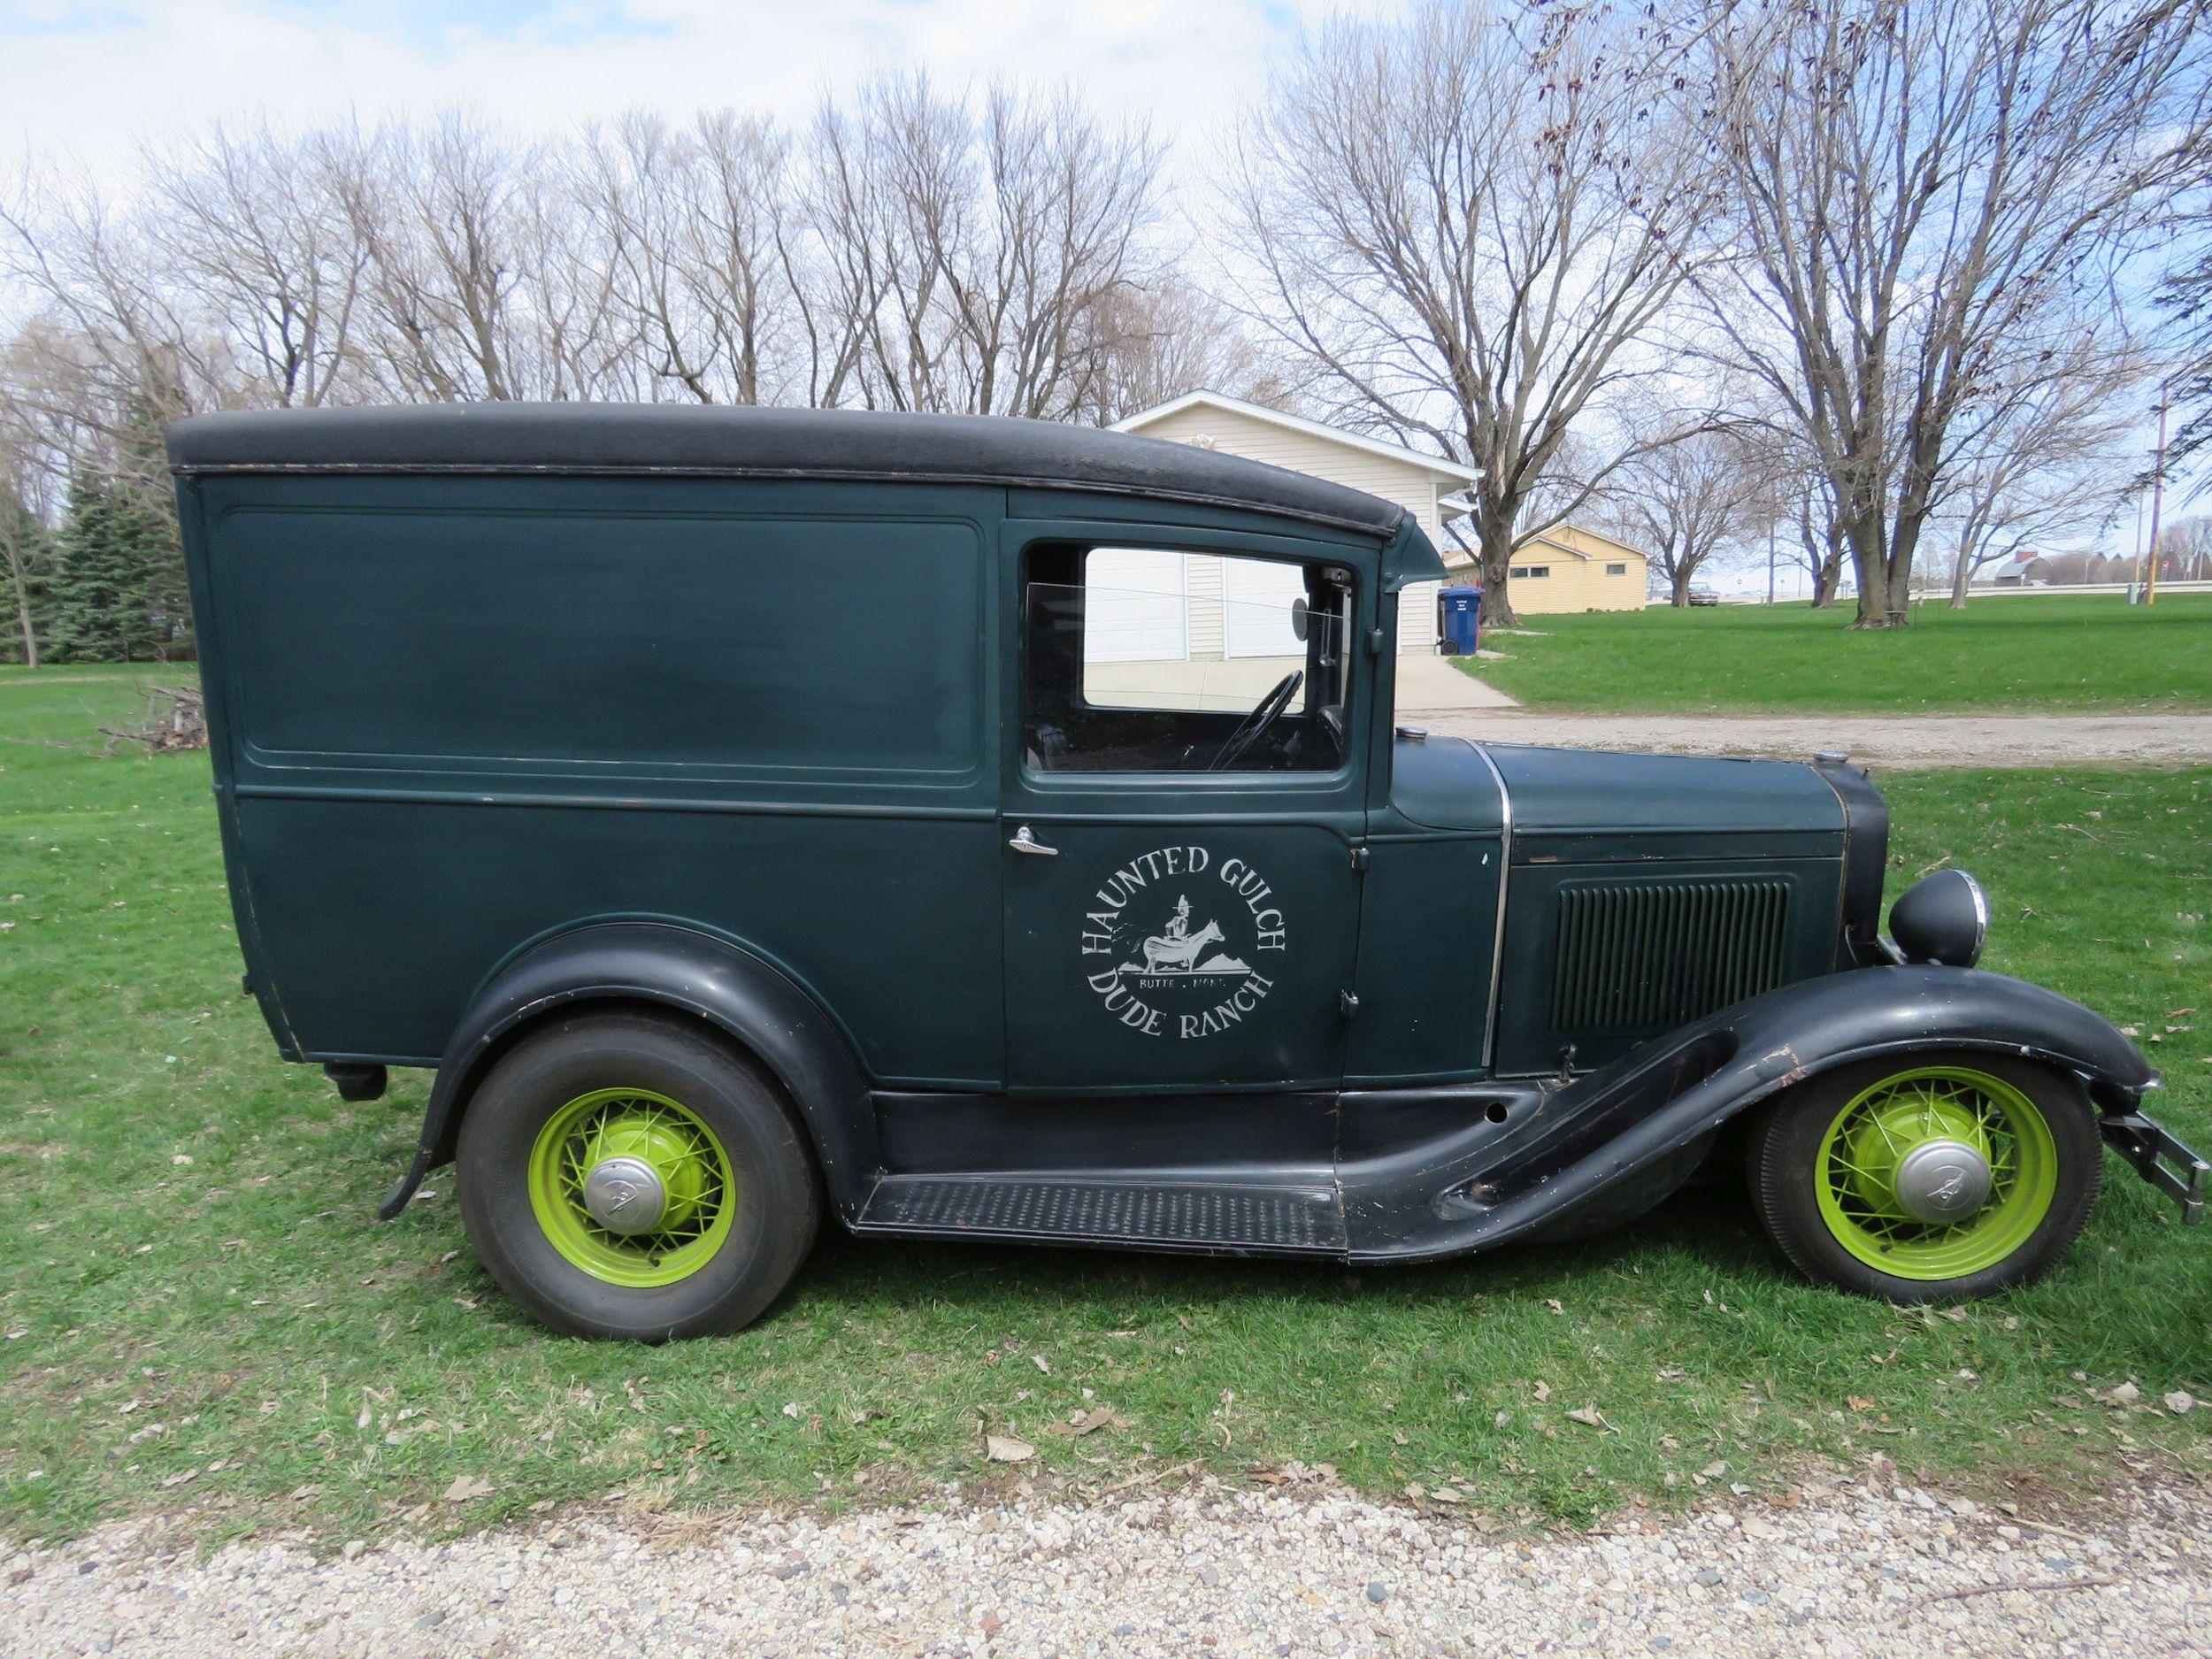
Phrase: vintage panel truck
pixel 986 829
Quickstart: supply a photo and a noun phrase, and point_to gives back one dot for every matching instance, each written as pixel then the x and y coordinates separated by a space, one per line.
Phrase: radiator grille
pixel 1649 955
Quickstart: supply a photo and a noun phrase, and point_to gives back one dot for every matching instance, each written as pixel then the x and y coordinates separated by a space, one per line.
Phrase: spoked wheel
pixel 632 1187
pixel 626 1176
pixel 1943 1177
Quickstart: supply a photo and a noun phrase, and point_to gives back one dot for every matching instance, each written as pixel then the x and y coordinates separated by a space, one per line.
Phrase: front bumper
pixel 2162 1160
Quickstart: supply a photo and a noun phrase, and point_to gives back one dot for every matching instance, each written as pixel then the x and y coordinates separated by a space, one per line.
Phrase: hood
pixel 1567 803
pixel 1565 791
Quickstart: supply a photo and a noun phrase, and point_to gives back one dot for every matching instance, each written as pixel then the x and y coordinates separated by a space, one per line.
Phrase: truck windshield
pixel 1164 661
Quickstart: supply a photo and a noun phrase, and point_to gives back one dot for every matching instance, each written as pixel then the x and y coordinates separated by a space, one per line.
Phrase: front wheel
pixel 630 1177
pixel 1940 1177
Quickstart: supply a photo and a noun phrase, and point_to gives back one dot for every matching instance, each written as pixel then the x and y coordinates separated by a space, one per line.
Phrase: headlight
pixel 1943 919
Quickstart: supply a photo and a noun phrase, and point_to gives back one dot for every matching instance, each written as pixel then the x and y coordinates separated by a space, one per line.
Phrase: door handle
pixel 1024 841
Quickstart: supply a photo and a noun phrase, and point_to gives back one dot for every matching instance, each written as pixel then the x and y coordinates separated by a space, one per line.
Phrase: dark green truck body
pixel 738 713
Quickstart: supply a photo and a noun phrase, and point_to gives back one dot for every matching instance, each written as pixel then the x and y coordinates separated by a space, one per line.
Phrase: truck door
pixel 1181 809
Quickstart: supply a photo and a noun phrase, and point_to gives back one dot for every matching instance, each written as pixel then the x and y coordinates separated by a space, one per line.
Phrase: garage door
pixel 1135 610
pixel 1257 594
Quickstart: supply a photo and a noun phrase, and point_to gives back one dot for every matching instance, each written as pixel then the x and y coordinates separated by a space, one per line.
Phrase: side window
pixel 1617 570
pixel 1150 659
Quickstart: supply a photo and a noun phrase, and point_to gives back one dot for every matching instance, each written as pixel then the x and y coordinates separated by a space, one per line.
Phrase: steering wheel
pixel 1254 726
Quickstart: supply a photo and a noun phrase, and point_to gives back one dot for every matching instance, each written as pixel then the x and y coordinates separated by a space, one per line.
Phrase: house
pixel 1565 568
pixel 1185 624
pixel 1570 568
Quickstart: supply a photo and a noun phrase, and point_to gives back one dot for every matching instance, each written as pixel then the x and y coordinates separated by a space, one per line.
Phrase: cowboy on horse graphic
pixel 1175 950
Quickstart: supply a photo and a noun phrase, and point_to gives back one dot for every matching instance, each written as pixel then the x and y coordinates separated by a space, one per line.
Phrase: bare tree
pixel 1170 337
pixel 2046 461
pixel 1467 227
pixel 430 216
pixel 1689 499
pixel 1923 197
pixel 2184 550
pixel 482 277
pixel 970 254
pixel 111 334
pixel 248 226
pixel 25 549
pixel 1822 551
pixel 695 222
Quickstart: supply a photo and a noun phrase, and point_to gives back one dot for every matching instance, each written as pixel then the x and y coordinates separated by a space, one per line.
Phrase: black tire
pixel 774 1222
pixel 1782 1156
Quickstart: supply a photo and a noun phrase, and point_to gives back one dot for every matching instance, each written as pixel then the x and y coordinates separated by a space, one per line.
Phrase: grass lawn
pixel 1997 657
pixel 201 1315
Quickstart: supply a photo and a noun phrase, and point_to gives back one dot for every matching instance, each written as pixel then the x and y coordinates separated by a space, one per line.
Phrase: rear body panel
pixel 451 715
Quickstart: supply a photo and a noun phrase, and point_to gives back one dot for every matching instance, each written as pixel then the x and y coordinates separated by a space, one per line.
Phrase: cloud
pixel 94 80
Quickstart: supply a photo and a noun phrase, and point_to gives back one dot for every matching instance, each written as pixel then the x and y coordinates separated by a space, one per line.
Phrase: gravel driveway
pixel 1852 1569
pixel 1919 740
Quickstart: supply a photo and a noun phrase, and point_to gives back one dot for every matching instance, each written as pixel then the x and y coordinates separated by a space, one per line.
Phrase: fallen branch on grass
pixel 175 719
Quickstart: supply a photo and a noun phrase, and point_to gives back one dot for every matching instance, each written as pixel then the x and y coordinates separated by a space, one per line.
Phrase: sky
pixel 91 78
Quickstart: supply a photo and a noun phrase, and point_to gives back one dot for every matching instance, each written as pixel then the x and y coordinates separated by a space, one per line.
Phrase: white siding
pixel 1411 486
pixel 1417 617
pixel 1202 581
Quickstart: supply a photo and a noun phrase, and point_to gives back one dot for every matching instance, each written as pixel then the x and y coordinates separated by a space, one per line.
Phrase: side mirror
pixel 1301 618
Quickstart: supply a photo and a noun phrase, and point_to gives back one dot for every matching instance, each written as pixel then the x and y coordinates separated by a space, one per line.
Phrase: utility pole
pixel 2158 498
pixel 1769 561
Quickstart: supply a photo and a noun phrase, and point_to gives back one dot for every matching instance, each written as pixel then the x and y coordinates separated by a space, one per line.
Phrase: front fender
pixel 1590 1137
pixel 662 964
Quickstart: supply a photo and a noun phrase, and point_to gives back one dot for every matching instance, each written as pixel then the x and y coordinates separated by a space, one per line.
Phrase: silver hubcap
pixel 624 1196
pixel 1942 1180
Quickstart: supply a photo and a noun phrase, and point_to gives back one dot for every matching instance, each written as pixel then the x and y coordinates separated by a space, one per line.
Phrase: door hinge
pixel 1376 640
pixel 1347 1004
pixel 1359 858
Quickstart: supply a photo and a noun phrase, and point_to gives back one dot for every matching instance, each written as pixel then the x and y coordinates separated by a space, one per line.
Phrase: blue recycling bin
pixel 1458 613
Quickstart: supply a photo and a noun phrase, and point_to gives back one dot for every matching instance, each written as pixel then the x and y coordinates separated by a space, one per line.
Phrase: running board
pixel 1225 1216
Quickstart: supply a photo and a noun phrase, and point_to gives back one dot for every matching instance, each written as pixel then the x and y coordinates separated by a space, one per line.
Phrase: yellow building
pixel 1567 568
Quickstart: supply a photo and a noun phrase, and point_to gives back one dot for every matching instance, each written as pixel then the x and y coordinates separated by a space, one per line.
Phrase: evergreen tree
pixel 119 592
pixel 102 597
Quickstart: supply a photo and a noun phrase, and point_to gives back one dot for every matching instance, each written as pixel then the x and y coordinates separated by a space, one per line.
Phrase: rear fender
pixel 661 964
pixel 1632 1119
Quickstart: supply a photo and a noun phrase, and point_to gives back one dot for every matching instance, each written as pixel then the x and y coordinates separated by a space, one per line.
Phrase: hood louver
pixel 1649 956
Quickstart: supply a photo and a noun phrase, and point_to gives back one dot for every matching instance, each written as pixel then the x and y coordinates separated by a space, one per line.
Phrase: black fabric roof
pixel 697 440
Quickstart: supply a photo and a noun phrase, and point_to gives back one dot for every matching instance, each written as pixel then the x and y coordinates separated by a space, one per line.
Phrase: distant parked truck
pixel 735 808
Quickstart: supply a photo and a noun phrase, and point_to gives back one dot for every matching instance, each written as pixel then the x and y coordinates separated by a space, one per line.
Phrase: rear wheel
pixel 1938 1178
pixel 627 1176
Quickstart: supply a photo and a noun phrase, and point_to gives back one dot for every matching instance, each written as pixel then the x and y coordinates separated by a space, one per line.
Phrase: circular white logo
pixel 1176 942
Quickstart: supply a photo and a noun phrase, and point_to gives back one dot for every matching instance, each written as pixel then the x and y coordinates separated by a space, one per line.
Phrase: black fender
pixel 662 964
pixel 1633 1118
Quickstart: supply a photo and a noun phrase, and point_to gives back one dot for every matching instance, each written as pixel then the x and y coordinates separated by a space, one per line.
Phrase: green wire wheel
pixel 1941 1176
pixel 634 1175
pixel 1902 1151
pixel 632 1187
